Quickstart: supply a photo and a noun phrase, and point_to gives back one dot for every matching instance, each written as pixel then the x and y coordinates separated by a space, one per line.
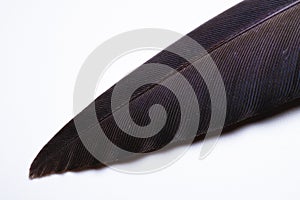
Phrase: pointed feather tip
pixel 33 175
pixel 37 170
pixel 40 169
pixel 33 172
pixel 40 172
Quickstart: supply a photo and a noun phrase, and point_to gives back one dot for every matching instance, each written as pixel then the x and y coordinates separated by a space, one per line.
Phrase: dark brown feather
pixel 256 46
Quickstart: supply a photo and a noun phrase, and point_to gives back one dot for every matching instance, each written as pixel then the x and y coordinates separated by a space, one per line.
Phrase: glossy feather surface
pixel 256 47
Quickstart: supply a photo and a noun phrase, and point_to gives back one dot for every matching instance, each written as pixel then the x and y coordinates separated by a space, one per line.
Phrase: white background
pixel 43 45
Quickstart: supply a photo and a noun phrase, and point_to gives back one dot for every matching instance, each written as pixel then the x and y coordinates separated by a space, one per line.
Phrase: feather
pixel 256 47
